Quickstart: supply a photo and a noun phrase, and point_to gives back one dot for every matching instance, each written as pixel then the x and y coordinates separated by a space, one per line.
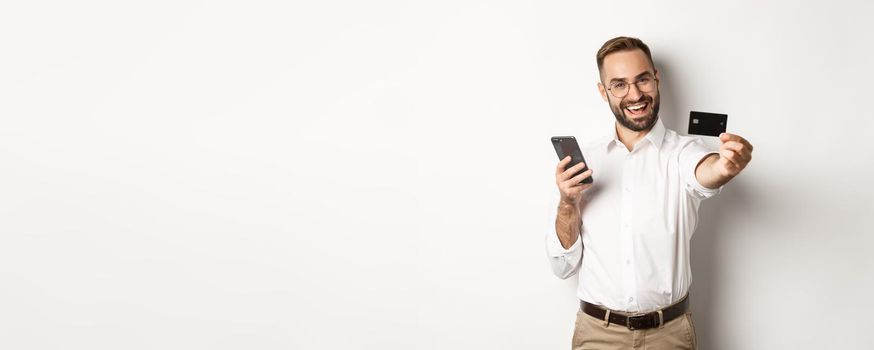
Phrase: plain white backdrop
pixel 377 175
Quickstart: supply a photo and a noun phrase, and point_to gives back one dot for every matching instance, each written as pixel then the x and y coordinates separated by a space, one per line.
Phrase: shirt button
pixel 627 189
pixel 627 262
pixel 630 299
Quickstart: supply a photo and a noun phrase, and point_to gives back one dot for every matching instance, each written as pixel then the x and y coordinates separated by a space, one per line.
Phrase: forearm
pixel 708 175
pixel 567 224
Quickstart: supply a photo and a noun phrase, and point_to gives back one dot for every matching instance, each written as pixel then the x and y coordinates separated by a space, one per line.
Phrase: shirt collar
pixel 656 135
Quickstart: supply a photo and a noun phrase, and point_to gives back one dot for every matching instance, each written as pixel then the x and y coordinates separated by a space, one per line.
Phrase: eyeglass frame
pixel 635 85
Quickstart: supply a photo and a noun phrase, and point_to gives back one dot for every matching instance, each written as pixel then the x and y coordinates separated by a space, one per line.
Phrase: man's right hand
pixel 570 186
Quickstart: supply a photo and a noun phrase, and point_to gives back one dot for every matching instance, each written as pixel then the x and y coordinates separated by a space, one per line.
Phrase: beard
pixel 644 122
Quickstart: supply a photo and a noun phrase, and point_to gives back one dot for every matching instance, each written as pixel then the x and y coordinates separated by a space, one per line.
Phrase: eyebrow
pixel 641 75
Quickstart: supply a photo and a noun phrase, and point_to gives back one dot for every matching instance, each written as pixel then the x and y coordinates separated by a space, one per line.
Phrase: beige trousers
pixel 591 333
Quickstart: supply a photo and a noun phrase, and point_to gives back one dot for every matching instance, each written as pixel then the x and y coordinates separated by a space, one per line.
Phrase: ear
pixel 603 92
pixel 657 73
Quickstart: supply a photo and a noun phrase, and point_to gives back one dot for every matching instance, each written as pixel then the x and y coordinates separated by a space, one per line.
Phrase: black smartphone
pixel 567 146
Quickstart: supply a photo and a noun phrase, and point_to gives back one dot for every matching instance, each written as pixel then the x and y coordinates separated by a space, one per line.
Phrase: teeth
pixel 636 107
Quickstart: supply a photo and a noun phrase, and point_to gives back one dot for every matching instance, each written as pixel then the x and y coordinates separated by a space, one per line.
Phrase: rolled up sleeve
pixel 564 262
pixel 690 156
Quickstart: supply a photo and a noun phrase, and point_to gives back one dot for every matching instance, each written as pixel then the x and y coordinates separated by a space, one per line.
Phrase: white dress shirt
pixel 637 223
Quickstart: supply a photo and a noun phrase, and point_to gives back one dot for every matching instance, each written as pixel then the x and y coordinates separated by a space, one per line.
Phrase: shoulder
pixel 680 142
pixel 595 145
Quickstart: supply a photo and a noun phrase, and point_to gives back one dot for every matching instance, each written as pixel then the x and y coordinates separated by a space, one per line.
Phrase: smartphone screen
pixel 567 146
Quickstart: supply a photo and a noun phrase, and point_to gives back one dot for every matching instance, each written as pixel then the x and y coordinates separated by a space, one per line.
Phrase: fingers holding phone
pixel 570 181
pixel 571 175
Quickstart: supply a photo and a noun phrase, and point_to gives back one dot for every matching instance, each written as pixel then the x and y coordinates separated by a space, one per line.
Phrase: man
pixel 628 233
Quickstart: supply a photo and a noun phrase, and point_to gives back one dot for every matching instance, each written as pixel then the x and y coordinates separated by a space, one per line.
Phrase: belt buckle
pixel 630 320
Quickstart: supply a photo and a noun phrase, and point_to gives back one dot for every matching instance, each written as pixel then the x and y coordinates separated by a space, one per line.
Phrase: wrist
pixel 567 203
pixel 569 210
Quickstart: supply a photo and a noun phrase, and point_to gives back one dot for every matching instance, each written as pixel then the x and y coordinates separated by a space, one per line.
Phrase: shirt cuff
pixel 694 186
pixel 555 249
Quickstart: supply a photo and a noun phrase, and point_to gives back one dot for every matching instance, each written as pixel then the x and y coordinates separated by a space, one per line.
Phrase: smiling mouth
pixel 637 109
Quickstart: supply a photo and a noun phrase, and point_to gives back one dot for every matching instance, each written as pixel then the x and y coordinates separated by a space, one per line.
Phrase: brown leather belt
pixel 639 321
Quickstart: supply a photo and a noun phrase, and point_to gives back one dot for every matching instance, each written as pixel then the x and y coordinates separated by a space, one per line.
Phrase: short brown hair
pixel 622 43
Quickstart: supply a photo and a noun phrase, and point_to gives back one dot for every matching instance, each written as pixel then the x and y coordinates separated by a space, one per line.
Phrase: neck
pixel 629 137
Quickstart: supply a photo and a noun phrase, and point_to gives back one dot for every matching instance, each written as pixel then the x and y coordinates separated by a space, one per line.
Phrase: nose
pixel 633 92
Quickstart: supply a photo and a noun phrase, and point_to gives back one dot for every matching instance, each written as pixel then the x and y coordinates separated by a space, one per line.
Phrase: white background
pixel 362 175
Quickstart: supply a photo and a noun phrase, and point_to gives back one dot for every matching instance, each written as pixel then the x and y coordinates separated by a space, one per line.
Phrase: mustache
pixel 644 98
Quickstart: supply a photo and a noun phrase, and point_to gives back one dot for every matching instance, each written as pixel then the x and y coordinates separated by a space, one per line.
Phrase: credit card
pixel 707 124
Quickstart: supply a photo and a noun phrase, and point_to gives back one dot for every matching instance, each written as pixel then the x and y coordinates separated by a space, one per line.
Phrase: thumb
pixel 724 137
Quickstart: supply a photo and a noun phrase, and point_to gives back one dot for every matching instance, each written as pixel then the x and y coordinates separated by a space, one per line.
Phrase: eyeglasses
pixel 620 88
